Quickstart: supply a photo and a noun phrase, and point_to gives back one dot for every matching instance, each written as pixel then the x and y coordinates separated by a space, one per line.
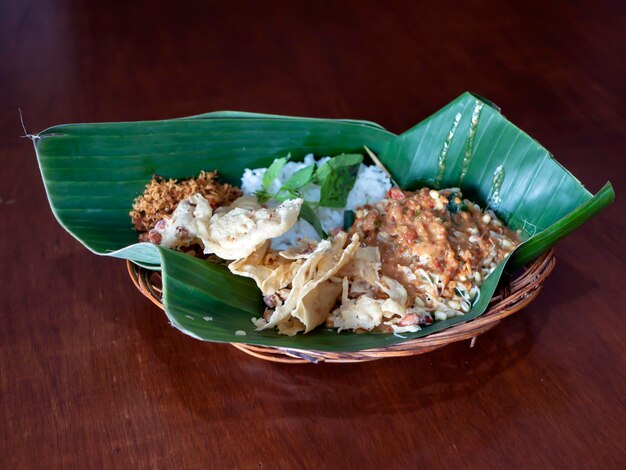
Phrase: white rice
pixel 371 186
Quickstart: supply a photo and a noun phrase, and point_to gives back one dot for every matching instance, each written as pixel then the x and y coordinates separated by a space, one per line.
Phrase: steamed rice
pixel 371 186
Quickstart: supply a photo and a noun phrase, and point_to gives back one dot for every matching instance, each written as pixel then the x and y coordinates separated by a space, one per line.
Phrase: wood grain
pixel 91 375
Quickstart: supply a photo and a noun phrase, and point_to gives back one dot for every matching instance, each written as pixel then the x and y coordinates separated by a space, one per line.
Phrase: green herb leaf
pixel 307 213
pixel 336 178
pixel 262 195
pixel 300 178
pixel 283 195
pixel 348 220
pixel 343 160
pixel 274 171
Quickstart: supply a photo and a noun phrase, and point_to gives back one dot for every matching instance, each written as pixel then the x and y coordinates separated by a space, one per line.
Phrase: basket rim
pixel 513 296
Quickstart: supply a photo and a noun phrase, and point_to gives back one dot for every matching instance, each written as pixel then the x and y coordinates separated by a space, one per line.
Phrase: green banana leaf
pixel 93 172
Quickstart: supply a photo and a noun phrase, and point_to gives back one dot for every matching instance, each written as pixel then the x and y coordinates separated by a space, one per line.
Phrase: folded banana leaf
pixel 93 172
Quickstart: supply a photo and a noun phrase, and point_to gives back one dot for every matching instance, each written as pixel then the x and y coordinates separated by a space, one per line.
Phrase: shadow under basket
pixel 514 294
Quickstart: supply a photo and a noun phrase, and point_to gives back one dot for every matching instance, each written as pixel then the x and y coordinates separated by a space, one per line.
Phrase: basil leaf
pixel 283 195
pixel 274 171
pixel 345 159
pixel 262 195
pixel 307 213
pixel 336 178
pixel 300 178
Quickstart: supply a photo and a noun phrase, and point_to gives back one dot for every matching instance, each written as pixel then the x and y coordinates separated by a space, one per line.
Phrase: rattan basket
pixel 514 294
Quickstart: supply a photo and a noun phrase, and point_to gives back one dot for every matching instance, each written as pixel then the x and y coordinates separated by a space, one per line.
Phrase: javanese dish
pixel 332 242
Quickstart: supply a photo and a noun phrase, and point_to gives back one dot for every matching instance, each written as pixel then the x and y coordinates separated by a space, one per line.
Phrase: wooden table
pixel 93 376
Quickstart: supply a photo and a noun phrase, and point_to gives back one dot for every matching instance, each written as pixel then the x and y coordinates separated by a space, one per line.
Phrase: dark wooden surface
pixel 91 375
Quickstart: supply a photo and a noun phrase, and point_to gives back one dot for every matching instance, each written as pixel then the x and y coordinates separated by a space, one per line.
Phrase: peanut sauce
pixel 434 233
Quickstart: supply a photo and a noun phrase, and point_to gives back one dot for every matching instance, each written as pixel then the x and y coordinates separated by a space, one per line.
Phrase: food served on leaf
pixel 332 242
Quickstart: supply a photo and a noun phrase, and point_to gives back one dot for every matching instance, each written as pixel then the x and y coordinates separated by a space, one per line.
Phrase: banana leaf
pixel 93 172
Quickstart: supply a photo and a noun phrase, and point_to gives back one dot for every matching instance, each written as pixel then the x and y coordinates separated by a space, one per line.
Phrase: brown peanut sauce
pixel 423 232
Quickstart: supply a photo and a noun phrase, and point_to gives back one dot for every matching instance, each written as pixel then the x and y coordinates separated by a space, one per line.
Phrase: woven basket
pixel 513 295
